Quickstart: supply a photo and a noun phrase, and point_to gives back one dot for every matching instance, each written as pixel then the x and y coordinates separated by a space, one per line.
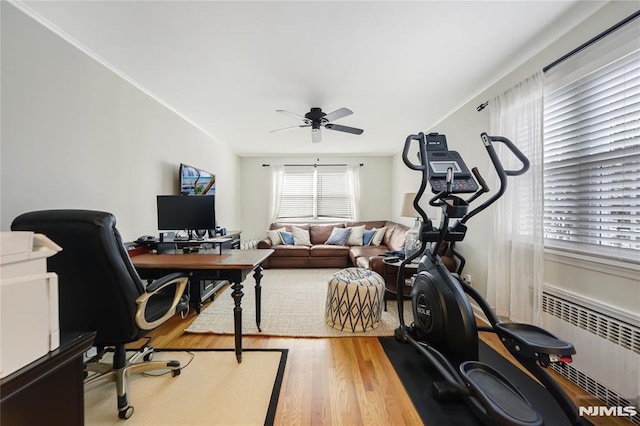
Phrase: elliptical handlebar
pixel 423 167
pixel 480 179
pixel 488 143
pixel 422 152
pixel 500 170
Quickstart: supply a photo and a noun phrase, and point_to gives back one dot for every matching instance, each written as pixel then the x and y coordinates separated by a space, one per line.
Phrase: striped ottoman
pixel 355 299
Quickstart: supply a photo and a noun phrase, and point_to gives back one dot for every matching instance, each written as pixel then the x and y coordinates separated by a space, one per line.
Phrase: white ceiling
pixel 228 66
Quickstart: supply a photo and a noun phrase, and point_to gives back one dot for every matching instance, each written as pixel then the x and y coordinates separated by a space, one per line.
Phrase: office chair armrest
pixel 178 279
pixel 164 281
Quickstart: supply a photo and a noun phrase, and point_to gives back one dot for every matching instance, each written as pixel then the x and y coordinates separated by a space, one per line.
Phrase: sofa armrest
pixel 376 264
pixel 264 244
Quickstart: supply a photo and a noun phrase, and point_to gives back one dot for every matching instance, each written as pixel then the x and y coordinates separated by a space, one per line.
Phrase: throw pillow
pixel 355 236
pixel 287 237
pixel 274 236
pixel 367 236
pixel 379 235
pixel 301 236
pixel 338 236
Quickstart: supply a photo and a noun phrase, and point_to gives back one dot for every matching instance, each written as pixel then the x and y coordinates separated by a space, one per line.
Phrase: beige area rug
pixel 293 305
pixel 212 389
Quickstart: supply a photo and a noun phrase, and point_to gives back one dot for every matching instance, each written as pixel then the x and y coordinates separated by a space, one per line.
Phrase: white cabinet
pixel 29 322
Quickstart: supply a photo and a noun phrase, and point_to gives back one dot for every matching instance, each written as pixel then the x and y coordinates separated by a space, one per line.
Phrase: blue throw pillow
pixel 287 237
pixel 367 236
pixel 339 236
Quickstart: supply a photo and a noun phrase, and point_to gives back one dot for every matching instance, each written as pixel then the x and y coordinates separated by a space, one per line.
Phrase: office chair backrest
pixel 97 283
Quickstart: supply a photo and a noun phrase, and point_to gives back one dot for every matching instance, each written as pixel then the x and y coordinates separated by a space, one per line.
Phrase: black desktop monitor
pixel 181 212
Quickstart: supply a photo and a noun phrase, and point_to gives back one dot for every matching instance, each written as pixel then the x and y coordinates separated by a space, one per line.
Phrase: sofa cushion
pixel 320 233
pixel 291 251
pixel 378 237
pixel 395 236
pixel 300 236
pixel 355 236
pixel 338 237
pixel 329 251
pixel 367 236
pixel 287 237
pixel 274 236
pixel 358 252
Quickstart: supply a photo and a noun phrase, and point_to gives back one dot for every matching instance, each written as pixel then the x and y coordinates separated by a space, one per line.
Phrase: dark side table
pixel 50 389
pixel 390 270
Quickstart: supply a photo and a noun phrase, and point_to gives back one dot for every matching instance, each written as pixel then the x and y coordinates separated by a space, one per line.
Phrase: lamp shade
pixel 407 205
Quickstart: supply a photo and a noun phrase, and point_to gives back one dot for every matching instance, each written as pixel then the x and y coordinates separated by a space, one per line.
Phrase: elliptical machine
pixel 444 328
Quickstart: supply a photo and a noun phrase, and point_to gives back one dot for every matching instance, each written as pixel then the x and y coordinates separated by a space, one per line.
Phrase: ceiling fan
pixel 316 119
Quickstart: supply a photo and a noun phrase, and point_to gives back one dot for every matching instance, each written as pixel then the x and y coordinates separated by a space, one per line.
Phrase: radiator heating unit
pixel 607 342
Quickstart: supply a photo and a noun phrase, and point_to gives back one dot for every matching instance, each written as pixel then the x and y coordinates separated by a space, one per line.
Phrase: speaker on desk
pixel 166 247
pixel 167 237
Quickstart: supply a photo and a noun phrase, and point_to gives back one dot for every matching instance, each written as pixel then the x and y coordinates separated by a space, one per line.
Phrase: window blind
pixel 314 193
pixel 592 149
pixel 297 195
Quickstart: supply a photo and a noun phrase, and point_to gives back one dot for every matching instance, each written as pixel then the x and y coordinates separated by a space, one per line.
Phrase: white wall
pixel 76 135
pixel 463 128
pixel 255 187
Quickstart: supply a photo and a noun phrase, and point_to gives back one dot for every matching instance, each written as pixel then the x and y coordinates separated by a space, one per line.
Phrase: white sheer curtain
pixel 515 273
pixel 277 175
pixel 353 171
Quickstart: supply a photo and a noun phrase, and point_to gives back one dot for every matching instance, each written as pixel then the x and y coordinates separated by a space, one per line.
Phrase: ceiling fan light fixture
pixel 315 135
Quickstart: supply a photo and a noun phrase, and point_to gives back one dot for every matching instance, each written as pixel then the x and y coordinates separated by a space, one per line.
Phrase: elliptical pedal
pixel 503 403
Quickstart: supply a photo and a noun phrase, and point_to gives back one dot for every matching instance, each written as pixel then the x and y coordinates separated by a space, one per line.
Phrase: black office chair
pixel 100 290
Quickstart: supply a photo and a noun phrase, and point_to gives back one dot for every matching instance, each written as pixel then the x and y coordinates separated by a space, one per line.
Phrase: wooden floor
pixel 339 381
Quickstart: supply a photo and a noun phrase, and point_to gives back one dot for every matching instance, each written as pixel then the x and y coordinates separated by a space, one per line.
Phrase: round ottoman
pixel 355 299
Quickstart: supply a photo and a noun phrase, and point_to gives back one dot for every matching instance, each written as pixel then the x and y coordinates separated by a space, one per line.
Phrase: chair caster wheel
pixel 148 357
pixel 126 413
pixel 175 373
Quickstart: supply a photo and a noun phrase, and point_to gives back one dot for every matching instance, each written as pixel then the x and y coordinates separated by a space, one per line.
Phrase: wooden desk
pixel 50 389
pixel 233 266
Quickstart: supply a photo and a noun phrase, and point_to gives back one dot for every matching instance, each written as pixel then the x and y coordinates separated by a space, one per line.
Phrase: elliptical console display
pixel 441 160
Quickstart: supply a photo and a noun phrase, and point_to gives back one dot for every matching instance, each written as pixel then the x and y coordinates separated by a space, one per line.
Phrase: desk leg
pixel 257 275
pixel 237 317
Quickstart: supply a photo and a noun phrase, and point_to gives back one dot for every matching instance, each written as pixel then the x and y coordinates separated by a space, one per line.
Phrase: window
pixel 592 150
pixel 316 193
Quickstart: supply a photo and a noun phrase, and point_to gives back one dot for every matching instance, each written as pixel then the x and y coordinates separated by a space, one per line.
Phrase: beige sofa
pixel 318 254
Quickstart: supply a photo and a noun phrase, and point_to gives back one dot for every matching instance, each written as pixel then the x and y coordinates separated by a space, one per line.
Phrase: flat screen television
pixel 179 212
pixel 194 181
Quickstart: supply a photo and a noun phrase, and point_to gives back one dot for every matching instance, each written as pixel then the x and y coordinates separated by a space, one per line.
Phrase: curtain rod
pixel 583 46
pixel 314 165
pixel 592 41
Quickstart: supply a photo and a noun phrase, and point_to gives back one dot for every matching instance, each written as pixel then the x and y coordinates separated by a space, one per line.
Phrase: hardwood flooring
pixel 339 381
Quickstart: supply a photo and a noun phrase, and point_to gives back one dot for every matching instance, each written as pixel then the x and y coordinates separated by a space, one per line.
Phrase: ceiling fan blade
pixel 339 113
pixel 291 114
pixel 316 136
pixel 347 129
pixel 290 128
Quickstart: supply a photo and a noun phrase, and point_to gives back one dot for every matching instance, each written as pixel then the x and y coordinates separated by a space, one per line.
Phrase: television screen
pixel 179 212
pixel 194 181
